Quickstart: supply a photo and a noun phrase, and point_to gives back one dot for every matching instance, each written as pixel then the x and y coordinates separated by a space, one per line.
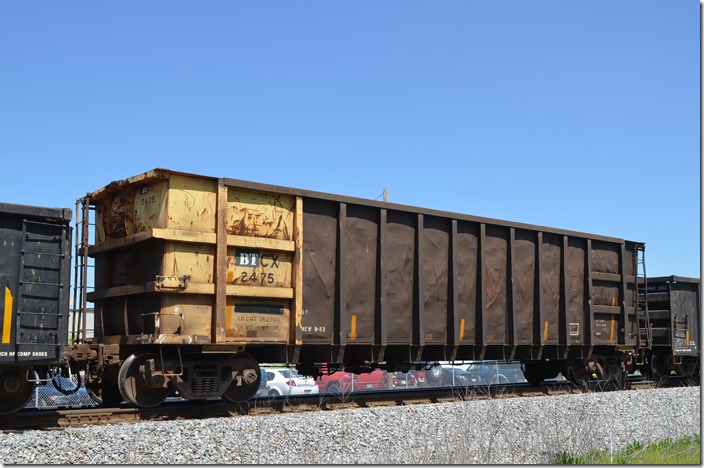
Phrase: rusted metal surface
pixel 260 214
pixel 213 255
pixel 220 312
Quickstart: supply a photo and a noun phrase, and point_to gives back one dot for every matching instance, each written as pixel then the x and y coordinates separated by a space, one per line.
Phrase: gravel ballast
pixel 505 431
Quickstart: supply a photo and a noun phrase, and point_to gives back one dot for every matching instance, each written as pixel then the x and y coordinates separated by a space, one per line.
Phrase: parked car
pixel 496 372
pixel 404 380
pixel 421 378
pixel 345 382
pixel 46 395
pixel 450 376
pixel 282 381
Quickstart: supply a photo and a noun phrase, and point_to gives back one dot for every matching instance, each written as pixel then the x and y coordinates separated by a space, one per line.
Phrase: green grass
pixel 685 451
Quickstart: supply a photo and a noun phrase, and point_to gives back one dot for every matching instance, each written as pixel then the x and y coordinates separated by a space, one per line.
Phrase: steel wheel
pixel 659 367
pixel 15 389
pixel 577 372
pixel 133 384
pixel 247 379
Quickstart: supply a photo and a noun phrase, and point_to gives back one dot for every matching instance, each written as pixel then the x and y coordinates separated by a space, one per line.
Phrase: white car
pixel 282 381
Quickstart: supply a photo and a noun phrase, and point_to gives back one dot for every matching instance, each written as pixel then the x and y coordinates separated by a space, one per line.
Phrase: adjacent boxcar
pixel 674 317
pixel 197 279
pixel 35 254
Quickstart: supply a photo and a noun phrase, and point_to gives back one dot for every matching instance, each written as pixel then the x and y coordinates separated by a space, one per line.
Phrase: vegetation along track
pixel 180 409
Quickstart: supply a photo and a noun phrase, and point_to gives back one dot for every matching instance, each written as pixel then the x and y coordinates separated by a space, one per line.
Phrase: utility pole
pixel 386 195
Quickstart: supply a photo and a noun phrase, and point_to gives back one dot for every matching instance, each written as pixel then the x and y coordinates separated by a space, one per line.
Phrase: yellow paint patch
pixel 353 328
pixel 613 328
pixel 228 318
pixel 7 319
pixel 545 331
pixel 461 329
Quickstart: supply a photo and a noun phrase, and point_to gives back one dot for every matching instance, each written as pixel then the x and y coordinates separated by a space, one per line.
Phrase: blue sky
pixel 576 115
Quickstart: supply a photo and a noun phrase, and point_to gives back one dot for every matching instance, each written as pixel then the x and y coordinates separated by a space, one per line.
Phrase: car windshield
pixel 288 373
pixel 482 366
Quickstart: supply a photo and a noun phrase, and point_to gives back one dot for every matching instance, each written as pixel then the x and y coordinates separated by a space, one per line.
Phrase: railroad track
pixel 180 409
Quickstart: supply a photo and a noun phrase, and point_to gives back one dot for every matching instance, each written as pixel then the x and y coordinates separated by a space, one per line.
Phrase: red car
pixel 346 382
pixel 405 379
pixel 420 377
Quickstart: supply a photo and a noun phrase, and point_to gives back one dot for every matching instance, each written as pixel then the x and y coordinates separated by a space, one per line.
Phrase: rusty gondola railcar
pixel 198 279
pixel 35 262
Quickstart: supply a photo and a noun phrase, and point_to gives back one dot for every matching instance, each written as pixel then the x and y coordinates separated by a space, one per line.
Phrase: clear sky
pixel 576 115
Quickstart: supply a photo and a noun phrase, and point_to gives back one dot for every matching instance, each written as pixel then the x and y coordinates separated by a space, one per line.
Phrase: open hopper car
pixel 198 279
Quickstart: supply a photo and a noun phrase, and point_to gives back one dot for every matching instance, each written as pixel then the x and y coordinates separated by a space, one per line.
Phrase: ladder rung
pixel 658 314
pixel 26 312
pixel 43 254
pixel 53 345
pixel 22 283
